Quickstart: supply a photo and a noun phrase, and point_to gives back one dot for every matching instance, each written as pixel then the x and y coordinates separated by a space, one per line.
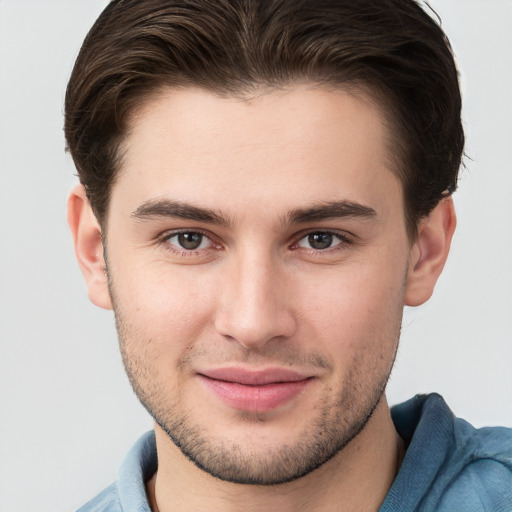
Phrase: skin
pixel 259 293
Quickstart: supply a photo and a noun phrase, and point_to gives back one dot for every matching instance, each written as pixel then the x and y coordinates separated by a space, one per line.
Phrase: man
pixel 264 185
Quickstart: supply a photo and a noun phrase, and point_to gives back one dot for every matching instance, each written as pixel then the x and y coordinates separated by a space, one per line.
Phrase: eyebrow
pixel 331 210
pixel 317 212
pixel 178 210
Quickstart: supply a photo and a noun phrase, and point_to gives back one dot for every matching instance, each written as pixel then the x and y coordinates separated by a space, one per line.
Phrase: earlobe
pixel 429 252
pixel 86 233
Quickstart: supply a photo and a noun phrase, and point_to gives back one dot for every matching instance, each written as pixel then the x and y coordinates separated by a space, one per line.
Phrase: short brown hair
pixel 390 48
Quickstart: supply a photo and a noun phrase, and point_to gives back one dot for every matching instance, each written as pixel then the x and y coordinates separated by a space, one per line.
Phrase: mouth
pixel 255 391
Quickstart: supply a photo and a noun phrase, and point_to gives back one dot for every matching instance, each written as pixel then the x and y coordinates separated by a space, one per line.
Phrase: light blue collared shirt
pixel 449 466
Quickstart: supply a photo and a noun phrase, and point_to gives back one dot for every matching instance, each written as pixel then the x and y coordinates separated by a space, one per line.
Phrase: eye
pixel 320 240
pixel 189 241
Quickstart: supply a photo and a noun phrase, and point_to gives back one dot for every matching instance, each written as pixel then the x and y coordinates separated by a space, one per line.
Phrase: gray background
pixel 67 413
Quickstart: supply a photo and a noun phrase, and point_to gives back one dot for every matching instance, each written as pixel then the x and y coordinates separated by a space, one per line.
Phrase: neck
pixel 356 479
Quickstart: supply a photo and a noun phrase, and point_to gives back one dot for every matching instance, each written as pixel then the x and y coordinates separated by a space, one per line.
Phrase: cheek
pixel 358 309
pixel 163 308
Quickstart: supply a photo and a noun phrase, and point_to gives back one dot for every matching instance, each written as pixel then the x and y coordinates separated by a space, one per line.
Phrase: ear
pixel 429 252
pixel 86 233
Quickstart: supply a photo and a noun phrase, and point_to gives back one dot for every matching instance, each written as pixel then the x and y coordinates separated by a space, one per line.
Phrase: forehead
pixel 279 149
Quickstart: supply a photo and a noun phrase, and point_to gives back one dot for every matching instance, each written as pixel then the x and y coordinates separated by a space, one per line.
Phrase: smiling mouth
pixel 254 391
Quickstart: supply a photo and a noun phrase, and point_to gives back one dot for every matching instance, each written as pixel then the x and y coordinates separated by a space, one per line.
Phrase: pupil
pixel 190 240
pixel 320 240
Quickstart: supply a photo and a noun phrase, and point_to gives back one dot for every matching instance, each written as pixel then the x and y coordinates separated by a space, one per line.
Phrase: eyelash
pixel 164 239
pixel 345 241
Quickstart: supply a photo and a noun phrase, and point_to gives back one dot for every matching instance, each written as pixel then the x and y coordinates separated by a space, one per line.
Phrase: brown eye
pixel 189 241
pixel 320 240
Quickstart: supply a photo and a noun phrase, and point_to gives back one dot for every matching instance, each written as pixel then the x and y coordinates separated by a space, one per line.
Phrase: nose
pixel 254 302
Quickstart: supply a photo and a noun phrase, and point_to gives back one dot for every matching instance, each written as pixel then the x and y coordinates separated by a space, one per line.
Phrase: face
pixel 257 262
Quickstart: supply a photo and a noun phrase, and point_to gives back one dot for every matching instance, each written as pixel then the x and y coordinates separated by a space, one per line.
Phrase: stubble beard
pixel 232 462
pixel 337 422
pixel 339 418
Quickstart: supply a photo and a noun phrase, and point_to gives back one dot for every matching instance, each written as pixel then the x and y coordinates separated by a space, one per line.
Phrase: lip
pixel 254 390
